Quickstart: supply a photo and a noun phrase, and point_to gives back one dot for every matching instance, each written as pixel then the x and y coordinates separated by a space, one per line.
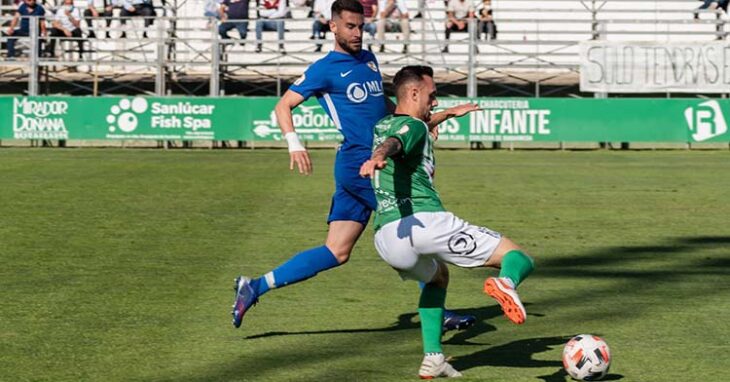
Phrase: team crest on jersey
pixel 371 65
pixel 403 130
pixel 300 80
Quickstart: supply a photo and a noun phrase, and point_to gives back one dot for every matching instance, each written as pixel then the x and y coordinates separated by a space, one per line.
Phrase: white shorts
pixel 414 245
pixel 400 5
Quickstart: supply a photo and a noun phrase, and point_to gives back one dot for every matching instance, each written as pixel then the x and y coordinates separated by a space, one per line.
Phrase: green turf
pixel 118 265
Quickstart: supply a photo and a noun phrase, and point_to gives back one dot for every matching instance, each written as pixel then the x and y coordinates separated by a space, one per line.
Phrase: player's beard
pixel 353 49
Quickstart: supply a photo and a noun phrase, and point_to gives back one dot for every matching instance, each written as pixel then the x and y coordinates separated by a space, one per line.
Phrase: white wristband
pixel 292 139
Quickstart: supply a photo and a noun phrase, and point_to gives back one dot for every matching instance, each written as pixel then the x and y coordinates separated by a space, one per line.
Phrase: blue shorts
pixel 354 198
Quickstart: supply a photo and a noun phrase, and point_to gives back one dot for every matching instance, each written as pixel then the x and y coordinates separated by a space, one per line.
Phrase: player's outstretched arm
pixel 297 153
pixel 452 112
pixel 377 161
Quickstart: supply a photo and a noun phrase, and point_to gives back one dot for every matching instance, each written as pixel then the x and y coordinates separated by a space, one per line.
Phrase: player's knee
pixel 505 246
pixel 441 278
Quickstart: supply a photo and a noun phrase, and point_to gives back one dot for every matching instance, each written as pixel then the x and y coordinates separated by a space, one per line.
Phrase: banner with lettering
pixel 253 119
pixel 636 67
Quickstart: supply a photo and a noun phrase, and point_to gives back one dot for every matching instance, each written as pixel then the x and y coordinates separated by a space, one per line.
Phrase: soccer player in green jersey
pixel 415 234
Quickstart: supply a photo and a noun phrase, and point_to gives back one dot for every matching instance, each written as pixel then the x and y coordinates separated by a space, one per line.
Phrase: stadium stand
pixel 183 54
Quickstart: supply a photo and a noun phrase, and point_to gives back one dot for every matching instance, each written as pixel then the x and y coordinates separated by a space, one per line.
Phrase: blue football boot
pixel 453 321
pixel 245 299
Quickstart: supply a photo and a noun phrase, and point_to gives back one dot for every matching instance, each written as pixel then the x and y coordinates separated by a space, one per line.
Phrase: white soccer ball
pixel 586 357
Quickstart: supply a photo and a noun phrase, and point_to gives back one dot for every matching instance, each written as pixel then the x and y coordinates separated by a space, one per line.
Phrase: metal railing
pixel 530 49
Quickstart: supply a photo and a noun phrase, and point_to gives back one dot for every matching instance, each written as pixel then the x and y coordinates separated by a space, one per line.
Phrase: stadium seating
pixel 534 37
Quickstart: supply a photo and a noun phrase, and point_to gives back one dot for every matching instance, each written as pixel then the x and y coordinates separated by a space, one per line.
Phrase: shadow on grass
pixel 521 354
pixel 639 266
pixel 514 354
pixel 690 247
pixel 562 376
pixel 408 321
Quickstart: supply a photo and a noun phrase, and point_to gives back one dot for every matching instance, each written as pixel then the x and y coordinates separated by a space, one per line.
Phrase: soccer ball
pixel 586 357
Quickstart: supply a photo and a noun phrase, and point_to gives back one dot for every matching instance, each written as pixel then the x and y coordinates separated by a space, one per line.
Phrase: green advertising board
pixel 253 119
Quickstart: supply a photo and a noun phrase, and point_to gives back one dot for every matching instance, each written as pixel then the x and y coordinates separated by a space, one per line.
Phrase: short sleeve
pixel 412 135
pixel 313 81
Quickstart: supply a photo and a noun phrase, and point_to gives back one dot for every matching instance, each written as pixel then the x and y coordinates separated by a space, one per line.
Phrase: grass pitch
pixel 117 265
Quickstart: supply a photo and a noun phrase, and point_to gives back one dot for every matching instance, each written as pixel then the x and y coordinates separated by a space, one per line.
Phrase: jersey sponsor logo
pixel 372 66
pixel 388 203
pixel 359 92
pixel 462 243
pixel 706 121
pixel 403 130
pixel 345 74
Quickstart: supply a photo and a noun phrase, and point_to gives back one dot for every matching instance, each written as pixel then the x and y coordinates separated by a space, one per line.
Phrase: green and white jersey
pixel 405 185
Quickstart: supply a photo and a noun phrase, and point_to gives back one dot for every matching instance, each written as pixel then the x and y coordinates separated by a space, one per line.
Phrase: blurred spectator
pixel 212 9
pixel 712 5
pixel 66 23
pixel 322 15
pixel 234 10
pixel 395 8
pixel 370 8
pixel 458 13
pixel 271 18
pixel 486 20
pixel 421 9
pixel 91 13
pixel 139 8
pixel 25 10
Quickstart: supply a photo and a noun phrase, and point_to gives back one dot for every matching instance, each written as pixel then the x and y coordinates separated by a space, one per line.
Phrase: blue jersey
pixel 350 89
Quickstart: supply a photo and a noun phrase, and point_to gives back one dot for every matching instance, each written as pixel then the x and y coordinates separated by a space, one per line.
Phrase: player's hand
pixel 367 170
pixel 301 159
pixel 461 110
pixel 11 31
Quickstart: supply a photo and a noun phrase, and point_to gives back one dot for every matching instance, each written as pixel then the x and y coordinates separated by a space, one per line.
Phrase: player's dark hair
pixel 353 6
pixel 408 74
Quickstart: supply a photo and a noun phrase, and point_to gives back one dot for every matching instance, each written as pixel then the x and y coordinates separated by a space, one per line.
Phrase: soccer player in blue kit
pixel 348 85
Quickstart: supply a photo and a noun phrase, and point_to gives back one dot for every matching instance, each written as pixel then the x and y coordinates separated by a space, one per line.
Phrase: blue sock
pixel 300 267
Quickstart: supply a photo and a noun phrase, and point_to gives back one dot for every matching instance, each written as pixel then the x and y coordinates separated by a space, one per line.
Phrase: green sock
pixel 516 266
pixel 431 310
